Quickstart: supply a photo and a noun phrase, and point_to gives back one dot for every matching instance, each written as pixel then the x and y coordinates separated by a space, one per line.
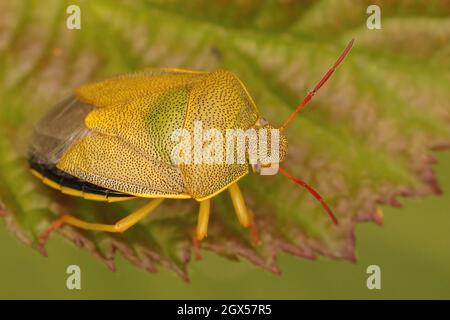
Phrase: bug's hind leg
pixel 120 226
pixel 244 215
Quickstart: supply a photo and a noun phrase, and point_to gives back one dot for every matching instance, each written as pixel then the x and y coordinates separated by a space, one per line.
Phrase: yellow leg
pixel 120 226
pixel 203 219
pixel 242 212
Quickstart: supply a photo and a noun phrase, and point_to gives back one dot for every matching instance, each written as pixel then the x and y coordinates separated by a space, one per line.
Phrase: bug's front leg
pixel 244 215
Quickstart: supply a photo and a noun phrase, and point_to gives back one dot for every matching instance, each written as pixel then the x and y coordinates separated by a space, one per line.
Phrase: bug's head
pixel 273 147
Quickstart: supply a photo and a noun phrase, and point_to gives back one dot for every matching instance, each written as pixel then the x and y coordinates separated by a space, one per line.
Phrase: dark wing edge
pixel 59 129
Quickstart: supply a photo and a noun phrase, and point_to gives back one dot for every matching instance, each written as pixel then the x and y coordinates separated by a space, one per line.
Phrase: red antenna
pixel 305 101
pixel 314 193
pixel 318 86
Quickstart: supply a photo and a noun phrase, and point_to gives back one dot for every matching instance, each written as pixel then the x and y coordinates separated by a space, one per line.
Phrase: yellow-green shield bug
pixel 114 140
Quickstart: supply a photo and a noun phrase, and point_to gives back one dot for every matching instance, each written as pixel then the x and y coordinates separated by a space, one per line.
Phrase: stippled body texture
pixel 116 134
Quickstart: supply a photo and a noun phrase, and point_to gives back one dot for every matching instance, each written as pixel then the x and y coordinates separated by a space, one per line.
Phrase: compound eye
pixel 257 167
pixel 269 170
pixel 266 170
pixel 262 122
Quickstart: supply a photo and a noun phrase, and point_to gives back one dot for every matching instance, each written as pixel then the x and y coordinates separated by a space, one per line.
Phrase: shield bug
pixel 111 141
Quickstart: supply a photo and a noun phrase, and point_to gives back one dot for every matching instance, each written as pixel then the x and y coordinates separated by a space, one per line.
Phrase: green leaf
pixel 364 141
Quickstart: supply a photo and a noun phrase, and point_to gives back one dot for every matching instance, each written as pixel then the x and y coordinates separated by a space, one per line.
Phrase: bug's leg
pixel 120 226
pixel 203 219
pixel 244 215
pixel 379 214
pixel 196 245
pixel 254 229
pixel 240 208
pixel 202 227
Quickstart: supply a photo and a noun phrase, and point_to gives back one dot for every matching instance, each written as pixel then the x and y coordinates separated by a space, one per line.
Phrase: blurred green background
pixel 412 250
pixel 369 133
